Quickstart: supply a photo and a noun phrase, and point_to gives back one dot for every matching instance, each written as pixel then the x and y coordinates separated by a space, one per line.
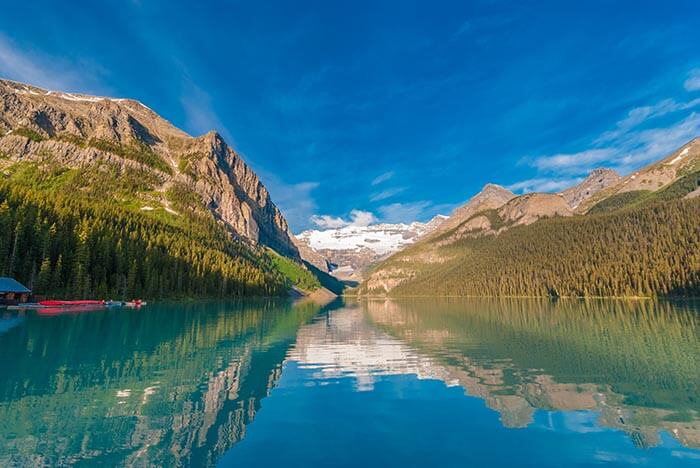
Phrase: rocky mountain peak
pixel 597 180
pixel 492 196
pixel 528 208
pixel 491 187
pixel 78 130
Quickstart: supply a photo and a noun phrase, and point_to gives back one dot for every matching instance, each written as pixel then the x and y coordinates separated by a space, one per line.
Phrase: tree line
pixel 647 250
pixel 66 246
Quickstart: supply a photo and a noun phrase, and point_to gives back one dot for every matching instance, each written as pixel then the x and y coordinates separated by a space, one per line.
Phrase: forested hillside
pixel 79 233
pixel 637 235
pixel 101 197
pixel 71 247
pixel 647 250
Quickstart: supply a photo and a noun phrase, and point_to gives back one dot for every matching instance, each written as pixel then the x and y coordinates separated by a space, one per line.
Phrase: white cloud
pixel 388 193
pixel 651 144
pixel 626 153
pixel 357 218
pixel 543 185
pixel 362 218
pixel 639 115
pixel 383 177
pixel 633 141
pixel 328 222
pixel 20 64
pixel 574 162
pixel 693 81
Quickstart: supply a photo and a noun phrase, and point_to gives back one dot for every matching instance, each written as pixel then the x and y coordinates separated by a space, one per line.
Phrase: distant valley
pixel 348 251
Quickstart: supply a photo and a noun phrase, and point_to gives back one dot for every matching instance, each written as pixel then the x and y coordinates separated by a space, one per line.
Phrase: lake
pixel 483 382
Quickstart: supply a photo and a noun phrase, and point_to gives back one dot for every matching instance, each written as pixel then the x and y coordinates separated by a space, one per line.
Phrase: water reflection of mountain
pixel 344 344
pixel 173 385
pixel 636 364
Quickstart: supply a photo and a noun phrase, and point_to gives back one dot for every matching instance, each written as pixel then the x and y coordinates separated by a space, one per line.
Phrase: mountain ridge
pixel 79 129
pixel 103 197
pixel 537 222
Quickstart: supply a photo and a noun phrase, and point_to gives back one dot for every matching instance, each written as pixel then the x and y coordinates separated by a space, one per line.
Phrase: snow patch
pixel 679 157
pixel 382 239
pixel 75 97
pixel 78 97
pixel 146 208
pixel 171 211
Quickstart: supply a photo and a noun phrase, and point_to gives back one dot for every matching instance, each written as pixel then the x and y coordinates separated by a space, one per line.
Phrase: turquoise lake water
pixel 370 383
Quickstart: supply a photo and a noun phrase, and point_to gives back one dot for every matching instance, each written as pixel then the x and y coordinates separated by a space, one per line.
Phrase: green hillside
pixel 85 233
pixel 648 249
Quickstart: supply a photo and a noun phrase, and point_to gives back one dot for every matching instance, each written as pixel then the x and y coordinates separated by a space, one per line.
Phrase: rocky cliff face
pixel 652 178
pixel 596 181
pixel 492 196
pixel 76 130
pixel 528 208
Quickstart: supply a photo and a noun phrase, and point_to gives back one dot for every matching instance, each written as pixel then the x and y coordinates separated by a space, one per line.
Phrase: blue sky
pixel 386 111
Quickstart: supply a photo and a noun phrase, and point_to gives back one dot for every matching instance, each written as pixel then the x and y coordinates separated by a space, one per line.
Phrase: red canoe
pixel 55 303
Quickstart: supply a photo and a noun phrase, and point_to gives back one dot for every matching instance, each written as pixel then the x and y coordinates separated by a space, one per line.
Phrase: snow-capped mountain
pixel 349 250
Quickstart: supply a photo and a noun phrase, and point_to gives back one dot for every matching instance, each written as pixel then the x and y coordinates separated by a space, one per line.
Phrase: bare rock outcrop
pixel 596 181
pixel 492 196
pixel 77 130
pixel 528 208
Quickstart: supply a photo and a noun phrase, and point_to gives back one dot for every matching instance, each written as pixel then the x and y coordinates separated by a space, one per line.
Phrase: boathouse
pixel 12 291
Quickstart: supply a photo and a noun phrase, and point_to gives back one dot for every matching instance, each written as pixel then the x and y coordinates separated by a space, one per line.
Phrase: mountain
pixel 596 181
pixel 103 196
pixel 671 177
pixel 79 130
pixel 492 196
pixel 348 251
pixel 607 236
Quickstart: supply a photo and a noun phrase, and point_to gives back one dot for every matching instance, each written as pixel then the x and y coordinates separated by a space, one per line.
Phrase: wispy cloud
pixel 20 64
pixel 464 28
pixel 628 151
pixel 403 212
pixel 650 144
pixel 645 134
pixel 639 115
pixel 573 162
pixel 200 116
pixel 543 185
pixel 382 177
pixel 357 218
pixel 693 81
pixel 295 200
pixel 328 222
pixel 388 193
pixel 412 211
